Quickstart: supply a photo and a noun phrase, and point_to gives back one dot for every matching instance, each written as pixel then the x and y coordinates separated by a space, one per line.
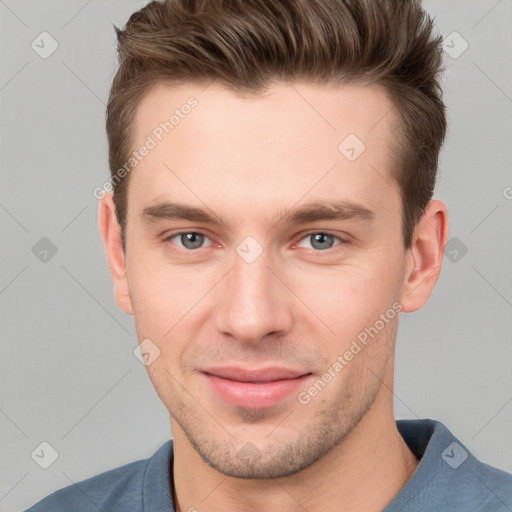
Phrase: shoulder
pixel 93 493
pixel 473 485
pixel 449 476
pixel 120 489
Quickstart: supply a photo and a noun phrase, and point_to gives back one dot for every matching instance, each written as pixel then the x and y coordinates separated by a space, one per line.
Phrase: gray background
pixel 68 373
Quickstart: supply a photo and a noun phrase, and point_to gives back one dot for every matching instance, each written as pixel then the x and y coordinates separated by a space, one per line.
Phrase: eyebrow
pixel 172 211
pixel 330 210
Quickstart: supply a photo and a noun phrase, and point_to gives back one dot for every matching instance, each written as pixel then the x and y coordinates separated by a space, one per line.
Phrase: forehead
pixel 292 141
pixel 284 108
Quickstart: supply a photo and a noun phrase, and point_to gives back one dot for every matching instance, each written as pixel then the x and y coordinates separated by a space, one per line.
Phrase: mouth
pixel 254 389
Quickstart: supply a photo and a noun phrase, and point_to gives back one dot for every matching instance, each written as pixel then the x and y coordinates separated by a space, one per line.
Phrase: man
pixel 273 165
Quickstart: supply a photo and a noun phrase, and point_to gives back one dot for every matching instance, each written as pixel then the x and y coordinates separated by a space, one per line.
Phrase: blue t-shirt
pixel 448 479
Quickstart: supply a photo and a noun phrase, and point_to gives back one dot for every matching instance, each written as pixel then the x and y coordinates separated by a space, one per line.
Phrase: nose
pixel 252 302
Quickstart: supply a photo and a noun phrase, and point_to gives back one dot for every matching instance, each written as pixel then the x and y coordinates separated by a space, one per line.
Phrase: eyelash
pixel 341 241
pixel 335 247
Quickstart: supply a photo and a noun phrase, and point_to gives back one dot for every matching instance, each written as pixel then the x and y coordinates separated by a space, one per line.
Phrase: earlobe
pixel 111 234
pixel 425 257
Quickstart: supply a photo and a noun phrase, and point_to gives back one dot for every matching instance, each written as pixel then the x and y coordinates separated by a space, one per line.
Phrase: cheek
pixel 155 295
pixel 348 299
pixel 167 299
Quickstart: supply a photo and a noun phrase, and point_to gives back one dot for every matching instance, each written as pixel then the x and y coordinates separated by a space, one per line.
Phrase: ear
pixel 424 258
pixel 111 234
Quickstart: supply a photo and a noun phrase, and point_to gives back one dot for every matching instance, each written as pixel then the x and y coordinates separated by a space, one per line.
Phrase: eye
pixel 320 241
pixel 189 240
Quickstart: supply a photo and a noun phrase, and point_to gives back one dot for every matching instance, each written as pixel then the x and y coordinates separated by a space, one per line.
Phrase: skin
pixel 247 160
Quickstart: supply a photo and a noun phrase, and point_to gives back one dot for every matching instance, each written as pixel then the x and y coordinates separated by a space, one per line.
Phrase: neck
pixel 363 472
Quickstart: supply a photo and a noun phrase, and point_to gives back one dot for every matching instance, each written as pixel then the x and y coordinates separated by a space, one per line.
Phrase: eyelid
pixel 342 240
pixel 168 236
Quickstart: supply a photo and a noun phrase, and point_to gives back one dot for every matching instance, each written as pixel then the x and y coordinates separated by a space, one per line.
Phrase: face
pixel 262 257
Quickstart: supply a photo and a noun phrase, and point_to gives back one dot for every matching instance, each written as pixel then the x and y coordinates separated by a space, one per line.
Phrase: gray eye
pixel 321 241
pixel 191 240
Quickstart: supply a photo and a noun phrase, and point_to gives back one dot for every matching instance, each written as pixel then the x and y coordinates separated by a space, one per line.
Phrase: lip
pixel 254 389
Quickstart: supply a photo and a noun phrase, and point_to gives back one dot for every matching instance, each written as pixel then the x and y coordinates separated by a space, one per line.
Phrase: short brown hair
pixel 246 44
